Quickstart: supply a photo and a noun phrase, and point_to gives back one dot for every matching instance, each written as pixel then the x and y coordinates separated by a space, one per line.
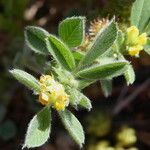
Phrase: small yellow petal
pixel 59 106
pixel 142 39
pixel 52 92
pixel 133 30
pixel 132 35
pixel 134 51
pixel 44 98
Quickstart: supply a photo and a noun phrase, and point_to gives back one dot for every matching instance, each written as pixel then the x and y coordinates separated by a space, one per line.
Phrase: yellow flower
pixel 53 93
pixel 135 50
pixel 59 106
pixel 132 35
pixel 126 136
pixel 142 39
pixel 44 98
pixel 135 42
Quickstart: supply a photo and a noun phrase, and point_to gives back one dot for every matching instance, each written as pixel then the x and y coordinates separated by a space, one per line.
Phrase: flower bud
pixel 142 39
pixel 132 35
pixel 135 42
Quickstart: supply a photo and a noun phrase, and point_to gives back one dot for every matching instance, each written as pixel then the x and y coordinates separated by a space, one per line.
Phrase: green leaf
pixel 106 86
pixel 78 99
pixel 85 102
pixel 147 47
pixel 120 38
pixel 78 55
pixel 83 83
pixel 103 71
pixel 39 129
pixel 60 52
pixel 129 75
pixel 72 31
pixel 65 77
pixel 26 79
pixel 147 29
pixel 103 41
pixel 35 39
pixel 73 96
pixel 73 126
pixel 140 14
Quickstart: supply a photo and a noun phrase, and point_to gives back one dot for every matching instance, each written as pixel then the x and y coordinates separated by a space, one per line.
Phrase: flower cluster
pixel 52 93
pixel 135 41
pixel 126 136
pixel 125 140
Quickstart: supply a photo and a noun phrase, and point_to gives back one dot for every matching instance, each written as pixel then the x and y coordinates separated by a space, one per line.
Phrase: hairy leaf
pixel 73 126
pixel 147 29
pixel 79 99
pixel 78 55
pixel 72 31
pixel 140 14
pixel 147 47
pixel 103 41
pixel 26 79
pixel 106 86
pixel 60 52
pixel 130 75
pixel 39 129
pixel 35 39
pixel 103 71
pixel 85 102
pixel 83 83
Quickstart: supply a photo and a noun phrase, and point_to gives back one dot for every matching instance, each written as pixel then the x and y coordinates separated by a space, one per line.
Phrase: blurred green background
pixel 127 107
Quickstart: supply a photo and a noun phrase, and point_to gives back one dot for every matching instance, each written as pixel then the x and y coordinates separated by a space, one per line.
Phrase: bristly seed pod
pixel 95 26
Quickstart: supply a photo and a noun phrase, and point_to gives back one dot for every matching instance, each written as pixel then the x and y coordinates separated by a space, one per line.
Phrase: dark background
pixel 126 106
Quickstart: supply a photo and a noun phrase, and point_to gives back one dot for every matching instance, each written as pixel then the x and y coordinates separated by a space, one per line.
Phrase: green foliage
pixel 72 31
pixel 106 86
pixel 79 99
pixel 35 39
pixel 26 79
pixel 103 41
pixel 147 29
pixel 83 83
pixel 73 126
pixel 130 75
pixel 74 70
pixel 85 102
pixel 120 38
pixel 104 71
pixel 74 97
pixel 78 55
pixel 39 129
pixel 66 77
pixel 147 47
pixel 140 14
pixel 60 52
